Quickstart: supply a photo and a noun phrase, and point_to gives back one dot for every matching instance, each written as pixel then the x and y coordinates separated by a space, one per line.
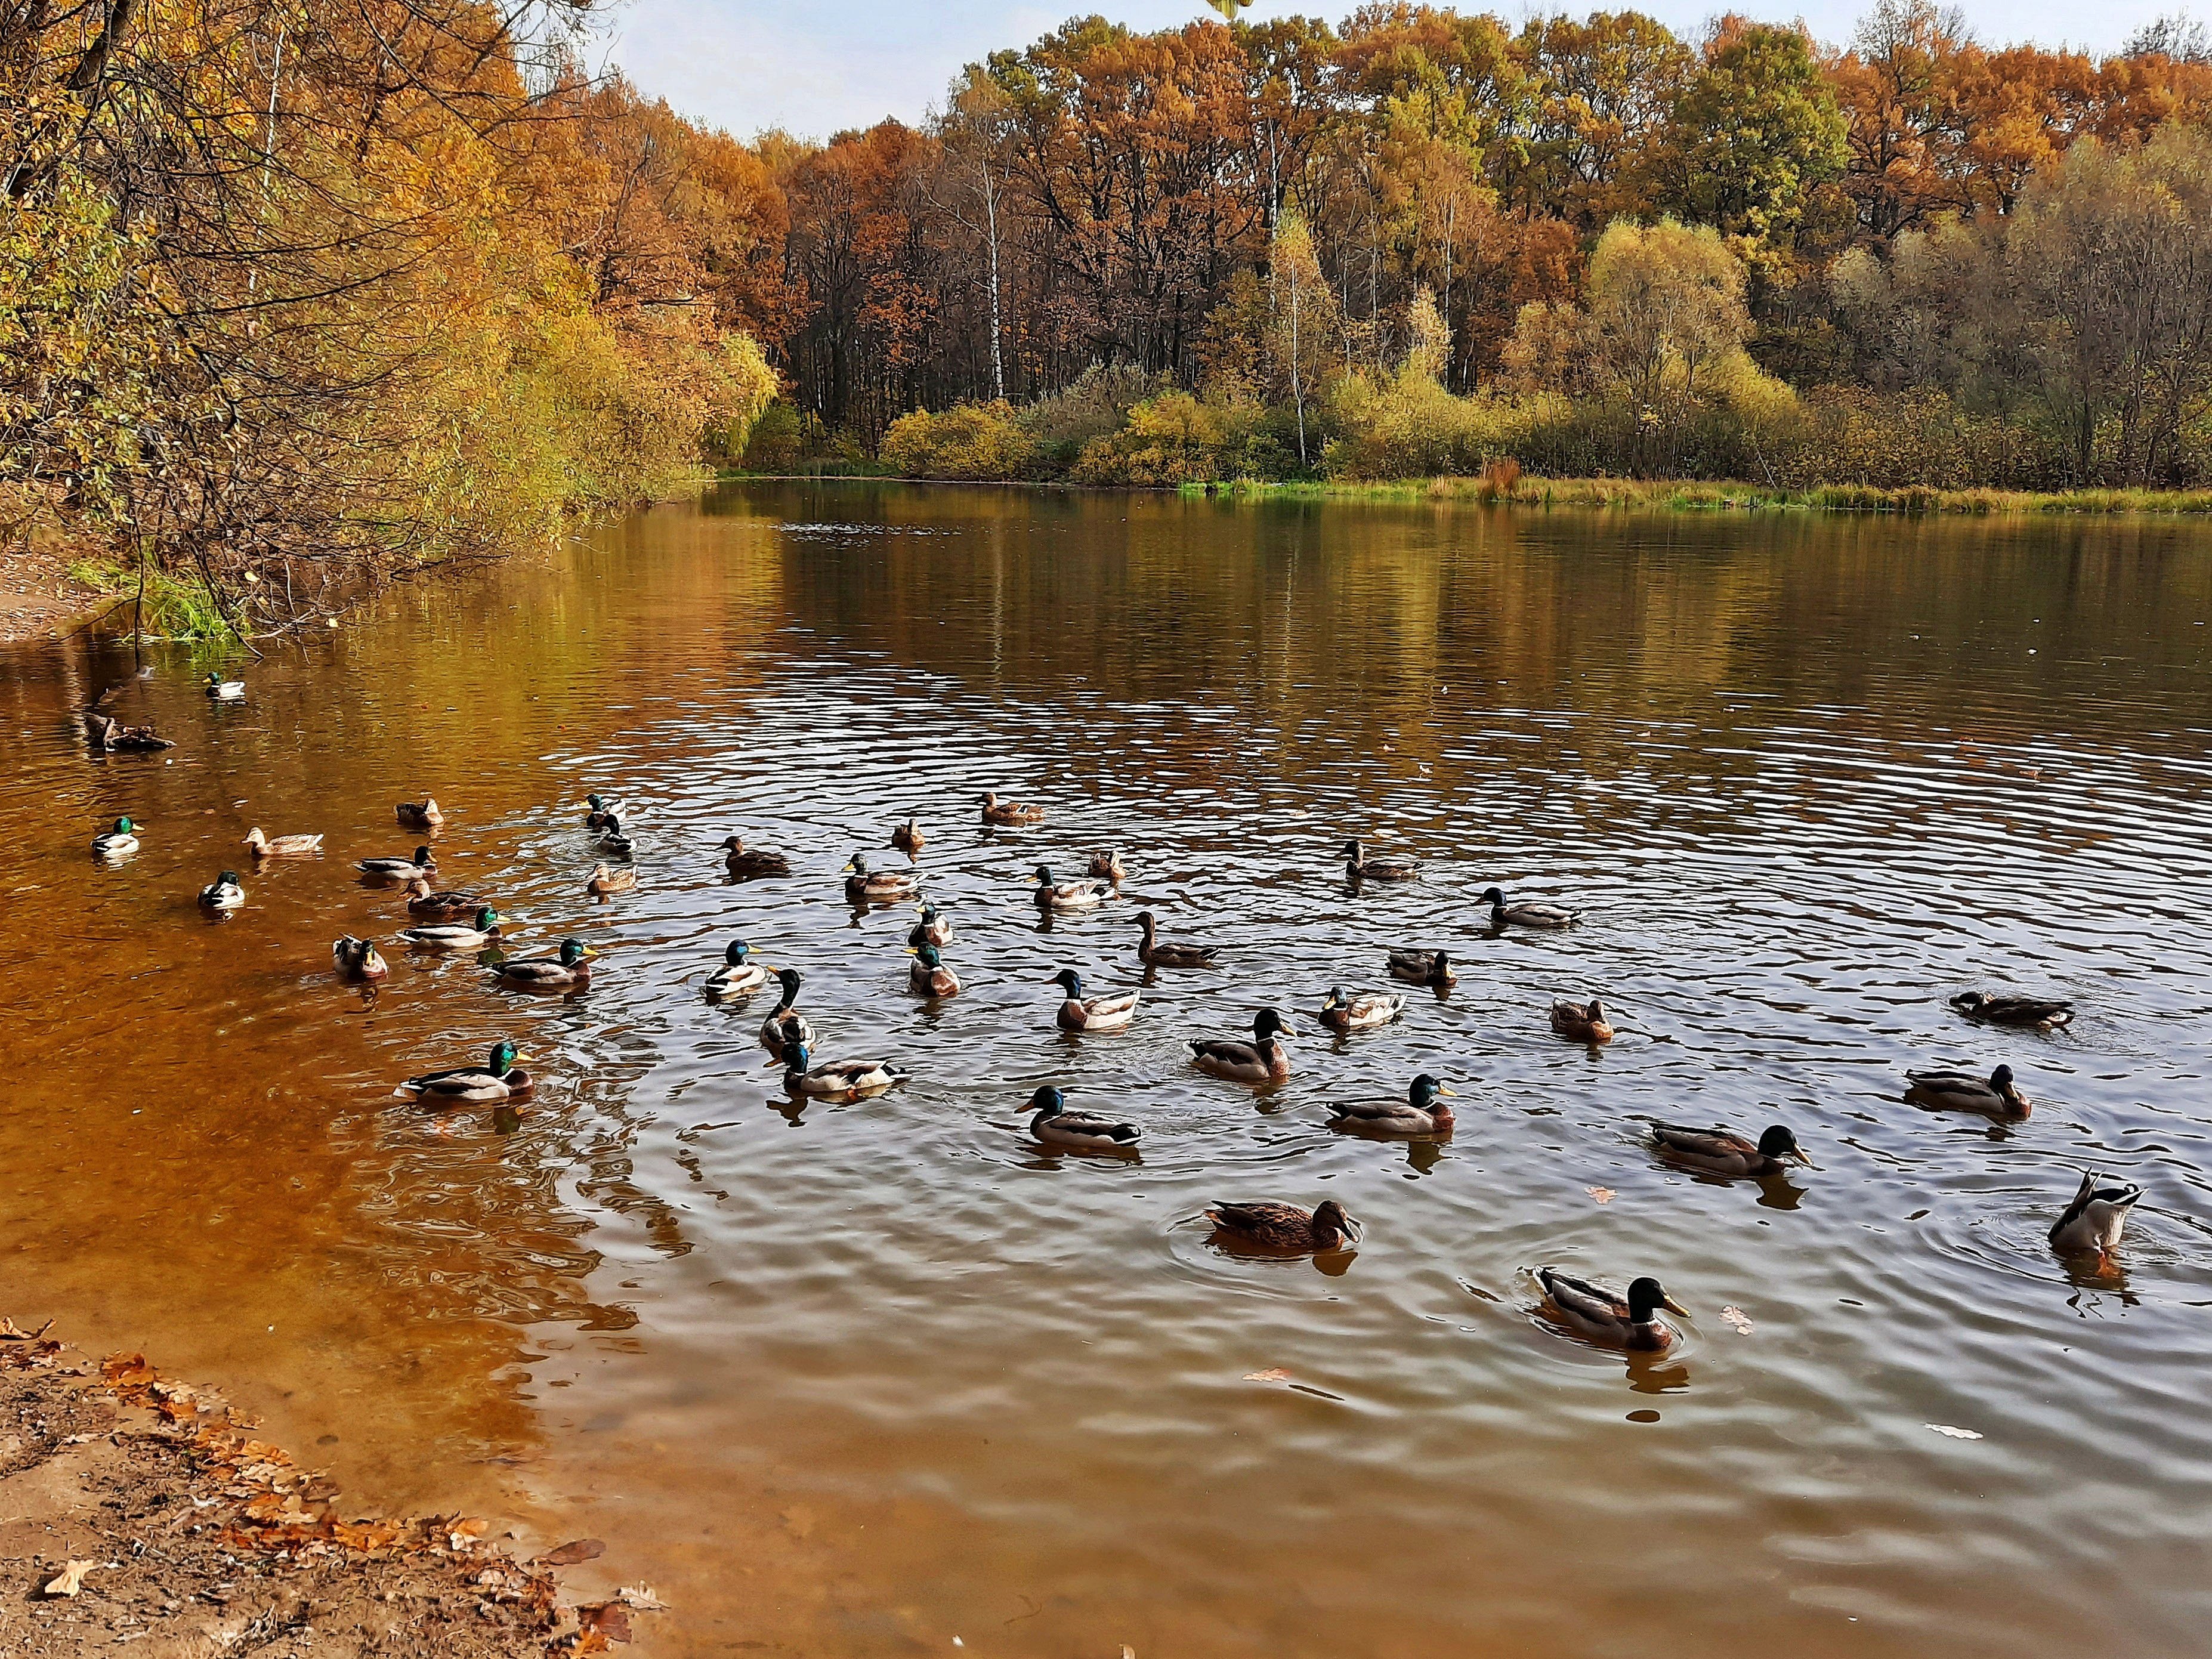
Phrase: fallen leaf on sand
pixel 1128 1652
pixel 607 1619
pixel 641 1597
pixel 1602 1194
pixel 70 1579
pixel 1737 1317
pixel 1273 1374
pixel 9 1333
pixel 1945 1429
pixel 578 1549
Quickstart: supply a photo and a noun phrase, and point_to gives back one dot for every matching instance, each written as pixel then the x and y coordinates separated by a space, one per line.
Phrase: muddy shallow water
pixel 863 1379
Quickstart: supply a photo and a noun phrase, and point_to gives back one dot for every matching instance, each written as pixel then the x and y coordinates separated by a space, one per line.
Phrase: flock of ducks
pixel 448 919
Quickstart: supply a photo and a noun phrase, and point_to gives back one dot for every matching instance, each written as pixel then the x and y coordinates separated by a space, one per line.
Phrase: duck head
pixel 1778 1144
pixel 1967 1002
pixel 1491 895
pixel 487 920
pixel 124 827
pixel 1352 850
pixel 795 1059
pixel 424 858
pixel 1146 920
pixel 227 878
pixel 1646 1297
pixel 1330 1213
pixel 574 951
pixel 1048 1102
pixel 1044 875
pixel 1267 1025
pixel 503 1058
pixel 1069 981
pixel 1440 968
pixel 1425 1090
pixel 925 954
pixel 736 955
pixel 857 866
pixel 789 978
pixel 733 843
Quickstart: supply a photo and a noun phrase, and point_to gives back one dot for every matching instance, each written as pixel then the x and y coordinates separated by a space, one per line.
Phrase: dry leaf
pixel 70 1579
pixel 1273 1374
pixel 1946 1430
pixel 1602 1194
pixel 1737 1317
pixel 641 1597
pixel 608 1619
pixel 578 1549
pixel 9 1333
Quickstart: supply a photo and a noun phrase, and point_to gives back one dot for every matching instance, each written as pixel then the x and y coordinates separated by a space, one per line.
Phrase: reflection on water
pixel 862 1378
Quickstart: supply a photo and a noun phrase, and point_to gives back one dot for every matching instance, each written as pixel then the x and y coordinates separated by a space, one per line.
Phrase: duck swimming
pixel 1154 954
pixel 1053 1125
pixel 1430 967
pixel 2040 1013
pixel 612 839
pixel 749 863
pixel 603 881
pixel 1009 811
pixel 785 1028
pixel 1082 894
pixel 223 893
pixel 423 864
pixel 570 970
pixel 281 846
pixel 1383 867
pixel 1363 1012
pixel 908 839
pixel 426 905
pixel 454 935
pixel 867 886
pixel 1287 1227
pixel 118 842
pixel 1581 1022
pixel 1962 1091
pixel 1081 1013
pixel 1422 1112
pixel 2096 1218
pixel 1531 913
pixel 358 958
pixel 837 1079
pixel 496 1080
pixel 1109 865
pixel 1603 1314
pixel 935 927
pixel 738 976
pixel 223 691
pixel 1725 1152
pixel 928 975
pixel 600 811
pixel 1263 1060
pixel 419 814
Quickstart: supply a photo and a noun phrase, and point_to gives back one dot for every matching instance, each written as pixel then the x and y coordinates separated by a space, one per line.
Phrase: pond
pixel 864 1378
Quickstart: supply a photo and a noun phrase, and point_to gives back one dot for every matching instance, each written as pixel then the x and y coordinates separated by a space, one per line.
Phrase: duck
pixel 599 809
pixel 1359 867
pixel 281 846
pixel 1153 954
pixel 2042 1013
pixel 1532 914
pixel 570 970
pixel 739 975
pixel 935 927
pixel 1082 894
pixel 223 691
pixel 1962 1091
pixel 603 881
pixel 2096 1218
pixel 908 839
pixel 1430 967
pixel 223 893
pixel 453 904
pixel 1583 1022
pixel 837 1079
pixel 110 733
pixel 1109 865
pixel 928 975
pixel 1363 1012
pixel 1286 1227
pixel 496 1080
pixel 1421 1113
pixel 785 1027
pixel 611 838
pixel 1080 1013
pixel 867 886
pixel 1009 811
pixel 1603 1314
pixel 358 958
pixel 423 864
pixel 1053 1125
pixel 1723 1152
pixel 1263 1060
pixel 745 863
pixel 419 814
pixel 455 935
pixel 119 841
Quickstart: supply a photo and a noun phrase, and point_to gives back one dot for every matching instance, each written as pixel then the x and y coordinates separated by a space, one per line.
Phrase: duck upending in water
pixel 738 976
pixel 1080 1013
pixel 2039 1014
pixel 1263 1060
pixel 571 969
pixel 223 893
pixel 1430 967
pixel 928 974
pixel 119 841
pixel 223 691
pixel 1383 867
pixel 454 935
pixel 785 1028
pixel 1962 1091
pixel 748 863
pixel 1109 866
pixel 2096 1218
pixel 1581 1022
pixel 110 733
pixel 1422 1112
pixel 281 846
pixel 1079 894
pixel 496 1080
pixel 1530 913
pixel 419 814
pixel 1287 1227
pixel 837 1079
pixel 1154 953
pixel 603 881
pixel 867 886
pixel 1009 811
pixel 1363 1012
pixel 423 864
pixel 1723 1152
pixel 1603 1314
pixel 358 958
pixel 1052 1125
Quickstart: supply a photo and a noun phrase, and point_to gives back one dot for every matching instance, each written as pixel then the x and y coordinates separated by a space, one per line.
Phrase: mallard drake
pixel 738 976
pixel 1533 913
pixel 223 893
pixel 570 970
pixel 1263 1060
pixel 1009 811
pixel 1725 1152
pixel 908 839
pixel 1109 866
pixel 1581 1022
pixel 837 1079
pixel 423 864
pixel 1053 1125
pixel 599 809
pixel 1080 1013
pixel 935 927
pixel 1363 1012
pixel 612 841
pixel 1082 894
pixel 496 1080
pixel 419 814
pixel 454 935
pixel 746 863
pixel 1603 1314
pixel 1153 954
pixel 785 1028
pixel 603 881
pixel 121 842
pixel 223 691
pixel 1422 1112
pixel 1962 1091
pixel 108 732
pixel 867 886
pixel 358 958
pixel 928 974
pixel 2096 1218
pixel 426 905
pixel 1358 866
pixel 281 846
pixel 1430 967
pixel 1287 1227
pixel 2042 1013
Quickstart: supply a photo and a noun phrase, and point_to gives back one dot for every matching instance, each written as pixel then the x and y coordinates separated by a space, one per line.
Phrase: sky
pixel 813 67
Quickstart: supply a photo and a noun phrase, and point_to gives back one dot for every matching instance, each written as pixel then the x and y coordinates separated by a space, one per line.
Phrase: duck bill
pixel 1354 1229
pixel 1799 1155
pixel 1673 1306
pixel 1448 1094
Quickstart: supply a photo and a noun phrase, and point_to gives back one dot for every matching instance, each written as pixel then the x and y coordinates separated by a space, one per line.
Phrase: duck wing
pixel 1417 964
pixel 1262 1218
pixel 1101 1128
pixel 1716 1145
pixel 1583 1298
pixel 1226 1051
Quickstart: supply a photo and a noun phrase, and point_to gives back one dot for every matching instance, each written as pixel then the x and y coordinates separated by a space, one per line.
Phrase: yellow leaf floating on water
pixel 1947 1430
pixel 71 1579
pixel 1602 1194
pixel 1737 1317
pixel 1273 1374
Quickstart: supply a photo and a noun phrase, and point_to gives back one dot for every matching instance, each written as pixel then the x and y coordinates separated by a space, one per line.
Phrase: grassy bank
pixel 1667 495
